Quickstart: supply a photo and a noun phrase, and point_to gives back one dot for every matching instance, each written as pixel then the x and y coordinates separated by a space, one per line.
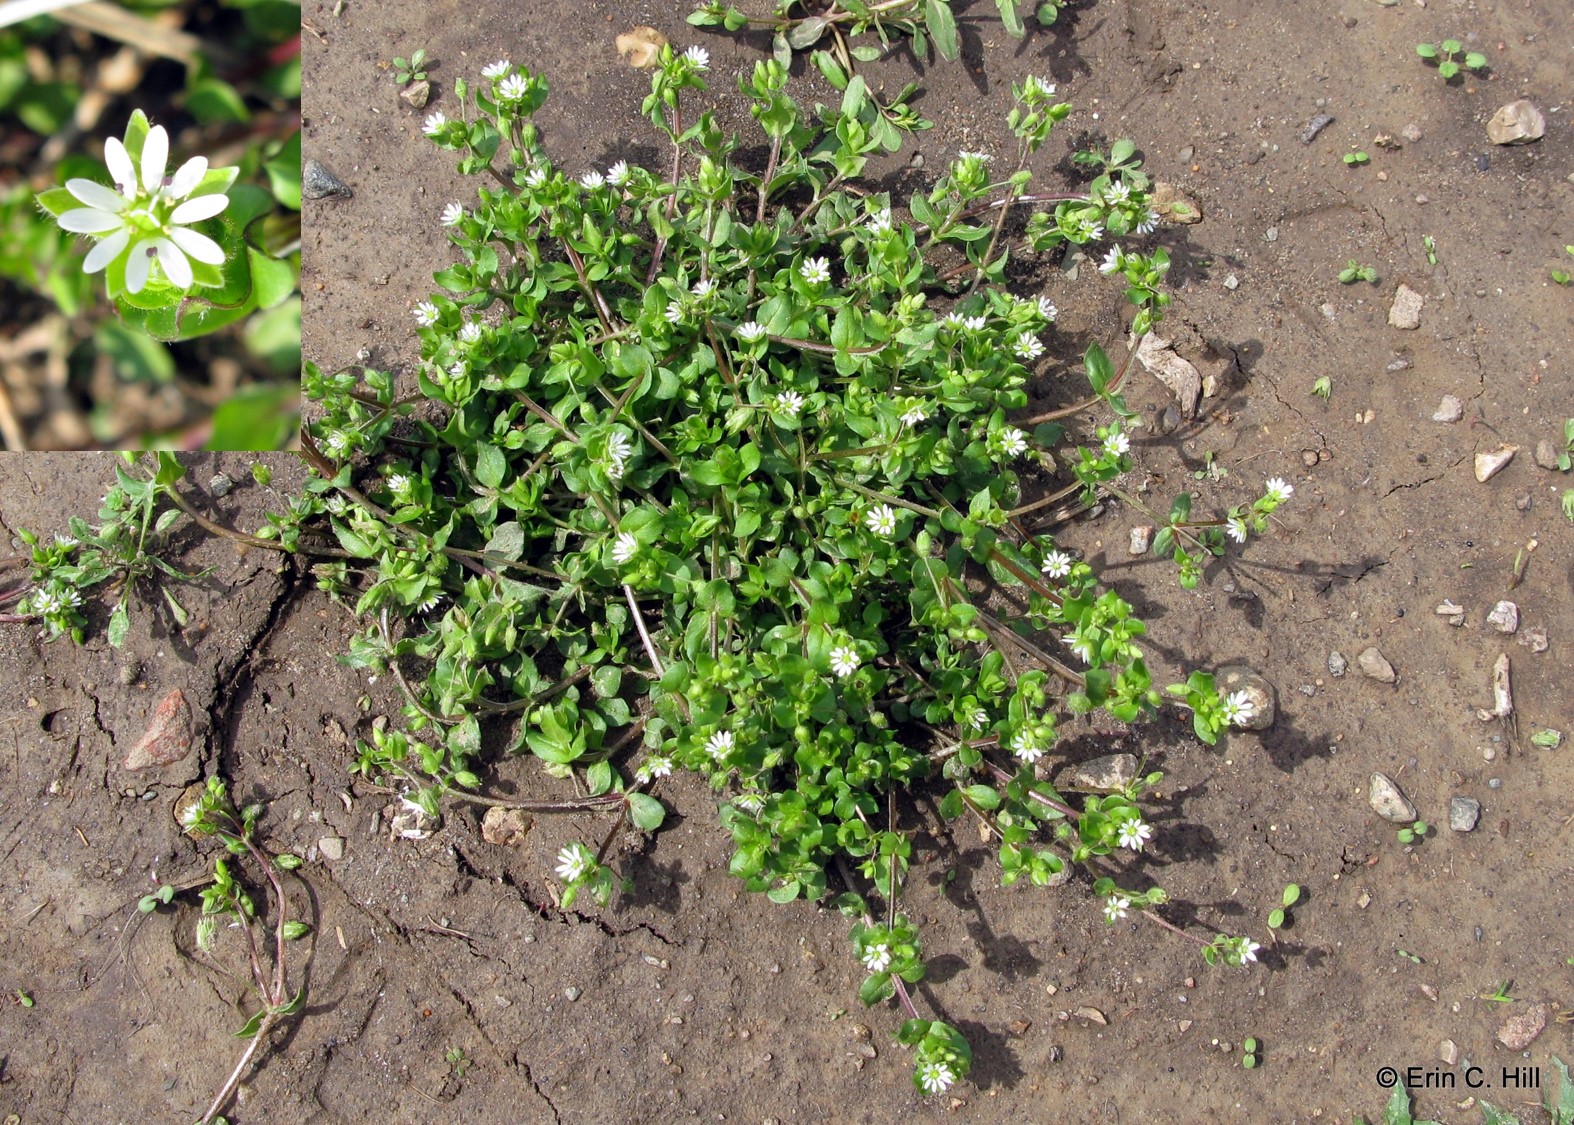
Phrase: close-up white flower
pixel 1248 949
pixel 789 402
pixel 625 548
pixel 434 124
pixel 1013 442
pixel 1134 833
pixel 1047 309
pixel 592 180
pixel 497 69
pixel 935 1077
pixel 1057 564
pixel 618 173
pixel 1117 192
pixel 751 803
pixel 512 88
pixel 1028 346
pixel 881 520
pixel 470 333
pixel 452 214
pixel 879 222
pixel 1115 908
pixel 1113 261
pixel 536 177
pixel 816 271
pixel 703 288
pixel 1080 645
pixel 877 957
pixel 1235 527
pixel 1149 223
pixel 653 767
pixel 1026 749
pixel 425 314
pixel 147 219
pixel 698 57
pixel 751 332
pixel 1238 708
pixel 980 157
pixel 1116 443
pixel 398 484
pixel 719 745
pixel 914 415
pixel 574 862
pixel 674 312
pixel 844 660
pixel 1278 489
pixel 1033 84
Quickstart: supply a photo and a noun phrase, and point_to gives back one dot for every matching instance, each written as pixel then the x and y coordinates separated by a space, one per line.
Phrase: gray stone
pixel 1517 123
pixel 331 847
pixel 1141 537
pixel 1449 410
pixel 1337 664
pixel 1376 665
pixel 1546 454
pixel 1489 465
pixel 417 94
pixel 1534 639
pixel 1411 132
pixel 1179 375
pixel 1259 693
pixel 1463 812
pixel 1504 617
pixel 1399 363
pixel 1520 1030
pixel 1405 312
pixel 1388 801
pixel 1314 126
pixel 317 182
pixel 1106 774
pixel 1453 614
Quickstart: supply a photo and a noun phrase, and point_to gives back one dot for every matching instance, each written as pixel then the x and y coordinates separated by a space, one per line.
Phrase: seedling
pixel 410 70
pixel 1249 1050
pixel 1323 387
pixel 147 904
pixel 1568 503
pixel 1211 469
pixel 1430 246
pixel 1548 739
pixel 1566 454
pixel 1278 916
pixel 1414 833
pixel 1356 159
pixel 1413 958
pixel 1354 271
pixel 457 1062
pixel 1501 996
pixel 1446 55
pixel 23 998
pixel 1562 277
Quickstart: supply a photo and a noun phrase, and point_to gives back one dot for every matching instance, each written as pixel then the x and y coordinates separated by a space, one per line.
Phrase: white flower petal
pixel 189 176
pixel 199 246
pixel 155 155
pixel 137 266
pixel 88 220
pixel 96 195
pixel 106 251
pixel 202 207
pixel 176 268
pixel 120 167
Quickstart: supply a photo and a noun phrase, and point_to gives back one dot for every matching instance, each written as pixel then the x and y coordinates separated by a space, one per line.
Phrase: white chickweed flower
pixel 816 271
pixel 452 214
pixel 1117 192
pixel 881 520
pixel 497 69
pixel 574 862
pixel 536 177
pixel 914 415
pixel 425 314
pixel 1046 309
pixel 979 718
pixel 1248 949
pixel 152 220
pixel 877 957
pixel 433 124
pixel 1149 223
pixel 1114 260
pixel 789 402
pixel 674 312
pixel 703 288
pixel 1115 908
pixel 935 1077
pixel 1134 833
pixel 1080 645
pixel 1026 749
pixel 470 333
pixel 981 157
pixel 398 484
pixel 1028 346
pixel 1116 443
pixel 625 548
pixel 1278 489
pixel 844 661
pixel 719 744
pixel 336 442
pixel 590 181
pixel 512 88
pixel 1238 708
pixel 751 331
pixel 1033 83
pixel 653 767
pixel 751 803
pixel 458 369
pixel 879 222
pixel 698 57
pixel 1235 527
pixel 1013 442
pixel 618 450
pixel 618 173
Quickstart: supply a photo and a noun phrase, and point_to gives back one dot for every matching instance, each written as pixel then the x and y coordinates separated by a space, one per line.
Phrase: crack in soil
pixel 230 683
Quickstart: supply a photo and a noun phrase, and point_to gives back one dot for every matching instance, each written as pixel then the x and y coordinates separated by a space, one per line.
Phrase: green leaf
pixel 294 931
pixel 284 172
pixel 119 622
pixel 213 101
pixel 646 811
pixel 1011 18
pixel 984 796
pixel 490 465
pixel 135 356
pixel 261 417
pixel 942 27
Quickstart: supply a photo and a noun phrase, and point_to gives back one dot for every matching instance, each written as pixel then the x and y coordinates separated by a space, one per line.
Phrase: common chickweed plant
pixel 715 469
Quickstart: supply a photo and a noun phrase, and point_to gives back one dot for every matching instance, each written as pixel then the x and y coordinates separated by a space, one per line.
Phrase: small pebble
pixel 1454 613
pixel 572 993
pixel 1388 801
pixel 1314 126
pixel 1337 663
pixel 1398 363
pixel 1309 457
pixel 1141 536
pixel 1488 465
pixel 1488 754
pixel 1405 312
pixel 1376 665
pixel 220 484
pixel 1494 783
pixel 1448 1052
pixel 1411 132
pixel 1450 409
pixel 1463 813
pixel 331 847
pixel 1546 454
pixel 317 182
pixel 1504 617
pixel 1232 282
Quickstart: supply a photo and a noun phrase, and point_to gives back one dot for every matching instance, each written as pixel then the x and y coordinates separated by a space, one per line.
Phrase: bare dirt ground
pixel 690 998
